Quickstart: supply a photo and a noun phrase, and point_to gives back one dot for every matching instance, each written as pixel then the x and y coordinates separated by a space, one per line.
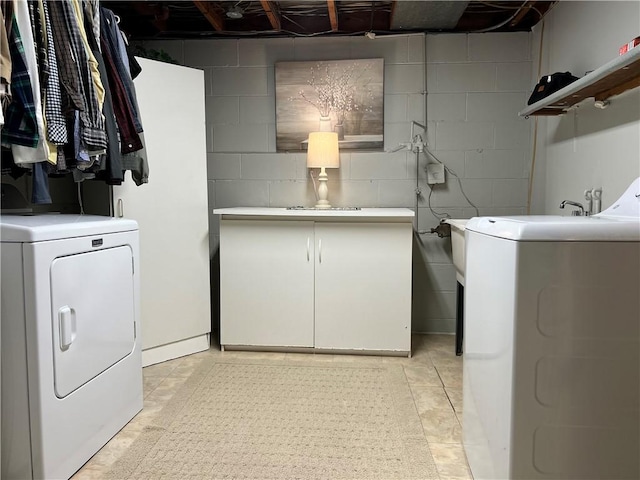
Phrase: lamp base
pixel 323 190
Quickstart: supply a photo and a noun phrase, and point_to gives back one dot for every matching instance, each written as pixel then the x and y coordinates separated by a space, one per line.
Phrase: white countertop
pixel 396 213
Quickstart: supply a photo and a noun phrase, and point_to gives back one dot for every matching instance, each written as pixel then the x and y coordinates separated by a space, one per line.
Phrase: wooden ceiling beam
pixel 522 13
pixel 214 18
pixel 393 11
pixel 333 15
pixel 271 10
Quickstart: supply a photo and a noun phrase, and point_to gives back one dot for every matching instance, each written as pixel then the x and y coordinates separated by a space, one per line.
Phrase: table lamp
pixel 323 153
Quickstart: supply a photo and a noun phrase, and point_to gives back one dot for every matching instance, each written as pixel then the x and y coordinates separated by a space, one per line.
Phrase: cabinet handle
pixel 320 250
pixel 308 247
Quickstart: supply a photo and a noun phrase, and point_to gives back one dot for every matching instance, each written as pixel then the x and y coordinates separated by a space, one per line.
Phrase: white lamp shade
pixel 323 150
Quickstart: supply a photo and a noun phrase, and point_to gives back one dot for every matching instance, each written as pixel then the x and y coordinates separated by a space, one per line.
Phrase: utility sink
pixel 458 227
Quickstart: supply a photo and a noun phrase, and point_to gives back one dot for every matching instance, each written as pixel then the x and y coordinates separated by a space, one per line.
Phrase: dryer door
pixel 93 314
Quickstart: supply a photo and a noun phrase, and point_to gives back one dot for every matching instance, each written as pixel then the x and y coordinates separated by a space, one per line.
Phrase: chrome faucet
pixel 575 213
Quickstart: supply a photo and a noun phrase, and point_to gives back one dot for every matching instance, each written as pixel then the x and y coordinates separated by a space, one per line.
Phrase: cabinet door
pixel 266 283
pixel 363 286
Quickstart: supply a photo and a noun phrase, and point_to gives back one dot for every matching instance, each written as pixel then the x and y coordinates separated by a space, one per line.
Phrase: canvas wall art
pixel 344 96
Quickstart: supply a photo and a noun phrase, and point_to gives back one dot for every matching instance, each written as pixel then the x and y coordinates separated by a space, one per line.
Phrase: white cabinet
pixel 332 280
pixel 171 211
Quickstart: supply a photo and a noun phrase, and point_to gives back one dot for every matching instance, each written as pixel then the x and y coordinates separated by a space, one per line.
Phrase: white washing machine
pixel 551 382
pixel 71 361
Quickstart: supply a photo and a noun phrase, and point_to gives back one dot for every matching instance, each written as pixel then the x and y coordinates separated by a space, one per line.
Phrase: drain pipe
pixel 418 190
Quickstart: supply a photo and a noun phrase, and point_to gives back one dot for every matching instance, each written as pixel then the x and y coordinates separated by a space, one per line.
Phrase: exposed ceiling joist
pixel 333 15
pixel 179 19
pixel 522 13
pixel 272 13
pixel 210 14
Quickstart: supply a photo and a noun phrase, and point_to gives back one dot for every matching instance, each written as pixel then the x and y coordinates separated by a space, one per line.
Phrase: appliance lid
pixel 618 223
pixel 557 228
pixel 42 227
pixel 627 206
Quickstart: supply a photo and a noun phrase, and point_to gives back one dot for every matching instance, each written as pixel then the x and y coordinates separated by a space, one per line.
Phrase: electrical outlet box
pixel 435 173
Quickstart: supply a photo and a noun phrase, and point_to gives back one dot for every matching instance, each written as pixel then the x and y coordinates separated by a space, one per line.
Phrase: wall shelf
pixel 613 78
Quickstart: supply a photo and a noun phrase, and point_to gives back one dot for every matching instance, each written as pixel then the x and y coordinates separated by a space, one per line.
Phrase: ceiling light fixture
pixel 235 12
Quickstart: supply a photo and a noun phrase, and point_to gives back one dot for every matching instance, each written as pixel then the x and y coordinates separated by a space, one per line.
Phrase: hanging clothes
pixel 129 138
pixel 72 108
pixel 20 127
pixel 37 151
pixel 5 67
pixel 111 170
pixel 118 50
pixel 55 120
pixel 75 74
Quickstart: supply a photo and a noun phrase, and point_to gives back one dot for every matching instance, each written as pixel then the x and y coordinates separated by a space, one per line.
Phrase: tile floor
pixel 434 374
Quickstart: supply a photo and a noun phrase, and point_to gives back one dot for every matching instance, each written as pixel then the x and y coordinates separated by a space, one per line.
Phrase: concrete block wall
pixel 467 89
pixel 587 147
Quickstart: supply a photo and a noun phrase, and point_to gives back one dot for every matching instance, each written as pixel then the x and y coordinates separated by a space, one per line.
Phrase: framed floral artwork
pixel 344 96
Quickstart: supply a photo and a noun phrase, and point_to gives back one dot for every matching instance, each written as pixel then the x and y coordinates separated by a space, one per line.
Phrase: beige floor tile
pixel 451 376
pixel 421 360
pixel 90 472
pixel 421 355
pixel 450 461
pixel 149 384
pixel 160 369
pixel 166 389
pixel 151 407
pixel 310 357
pixel 455 397
pixel 445 343
pixel 359 359
pixel 422 375
pixel 428 399
pixel 213 350
pixel 253 355
pixel 440 358
pixel 441 426
pixel 185 369
pixel 115 447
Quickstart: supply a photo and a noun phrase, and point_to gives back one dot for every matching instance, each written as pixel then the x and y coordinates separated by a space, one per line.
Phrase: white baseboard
pixel 173 350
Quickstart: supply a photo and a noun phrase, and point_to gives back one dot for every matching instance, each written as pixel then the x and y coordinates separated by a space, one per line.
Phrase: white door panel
pixel 92 313
pixel 266 297
pixel 172 209
pixel 363 286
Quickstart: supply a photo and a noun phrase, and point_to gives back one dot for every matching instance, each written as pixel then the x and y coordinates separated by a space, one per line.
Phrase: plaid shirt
pixel 20 124
pixel 56 125
pixel 75 75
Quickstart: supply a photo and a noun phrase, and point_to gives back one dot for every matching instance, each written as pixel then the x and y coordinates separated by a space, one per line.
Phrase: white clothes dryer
pixel 551 372
pixel 71 359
